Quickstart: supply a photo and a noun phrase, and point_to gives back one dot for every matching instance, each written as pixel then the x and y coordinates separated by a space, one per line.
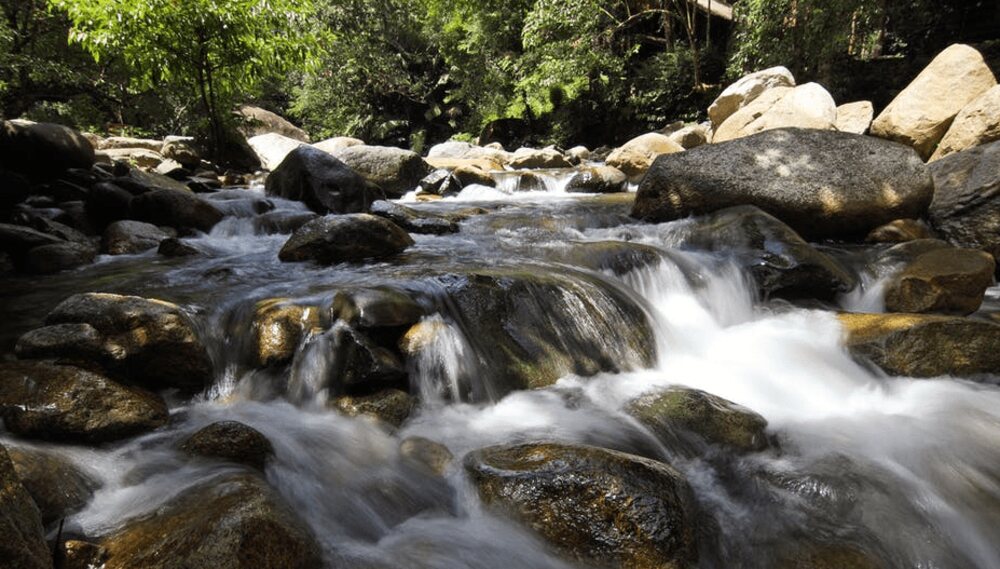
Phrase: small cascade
pixel 552 181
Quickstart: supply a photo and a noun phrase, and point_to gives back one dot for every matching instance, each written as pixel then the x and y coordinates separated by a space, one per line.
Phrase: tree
pixel 214 51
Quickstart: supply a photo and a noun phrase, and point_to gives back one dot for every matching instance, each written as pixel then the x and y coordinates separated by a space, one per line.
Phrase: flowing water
pixel 905 470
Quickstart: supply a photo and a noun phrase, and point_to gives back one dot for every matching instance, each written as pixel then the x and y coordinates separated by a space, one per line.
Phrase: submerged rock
pixel 322 182
pixel 56 485
pixel 427 454
pixel 23 545
pixel 413 220
pixel 379 307
pixel 944 280
pixel 596 505
pixel 821 183
pixel 230 441
pixel 345 239
pixel 45 401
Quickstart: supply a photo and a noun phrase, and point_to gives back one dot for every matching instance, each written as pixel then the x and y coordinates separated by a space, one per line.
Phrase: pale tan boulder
pixel 746 90
pixel 257 121
pixel 735 125
pixel 978 123
pixel 805 106
pixel 272 148
pixel 921 114
pixel 635 156
pixel 855 117
pixel 337 143
pixel 691 136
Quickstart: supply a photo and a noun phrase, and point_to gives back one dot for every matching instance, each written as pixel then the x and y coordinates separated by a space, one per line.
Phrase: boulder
pixel 64 403
pixel 977 123
pixel 413 220
pixel 485 165
pixel 68 342
pixel 450 149
pixel 805 106
pixel 735 126
pixel 578 154
pixel 494 153
pixel 150 342
pixel 272 148
pixel 921 114
pixel 534 158
pixel 391 406
pixel 822 183
pixel 138 182
pixel 676 413
pixel 427 454
pixel 468 175
pixel 23 545
pixel 950 281
pixel 337 143
pixel 57 486
pixel 322 182
pixel 132 237
pixel 691 136
pixel 181 150
pixel 17 240
pixel 174 247
pixel 635 156
pixel 616 257
pixel 128 142
pixel 378 307
pixel 395 170
pixel 359 365
pixel 279 326
pixel 597 180
pixel 174 208
pixel 780 262
pixel 233 521
pixel 230 441
pixel 257 121
pixel 922 345
pixel 900 231
pixel 77 554
pixel 746 90
pixel 42 151
pixel 855 117
pixel 349 238
pixel 107 203
pixel 597 506
pixel 49 259
pixel 139 157
pixel 966 206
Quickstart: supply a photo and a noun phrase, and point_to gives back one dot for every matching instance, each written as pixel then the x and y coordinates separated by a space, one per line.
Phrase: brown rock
pixel 231 441
pixel 949 281
pixel 23 544
pixel 977 123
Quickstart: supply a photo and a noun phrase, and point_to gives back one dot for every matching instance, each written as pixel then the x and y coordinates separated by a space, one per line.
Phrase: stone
pixel 181 150
pixel 735 126
pixel 129 142
pixel 70 342
pixel 322 182
pixel 616 257
pixel 174 208
pixel 107 203
pixel 948 281
pixel 855 117
pixel 348 238
pixel 378 307
pixel 63 403
pixel 452 164
pixel 468 175
pixel 337 143
pixel 450 149
pixel 138 182
pixel 805 106
pixel 635 156
pixel 425 453
pixel 977 123
pixel 19 239
pixel 77 554
pixel 272 148
pixel 151 342
pixel 781 263
pixel 597 506
pixel 923 345
pixel 279 326
pixel 230 441
pixel 257 121
pixel 534 158
pixel 138 157
pixel 231 521
pixel 691 136
pixel 900 231
pixel 413 220
pixel 42 151
pixel 132 237
pixel 49 259
pixel 578 154
pixel 395 170
pixel 391 406
pixel 23 545
pixel 598 180
pixel 174 247
pixel 746 90
pixel 921 114
pixel 58 487
pixel 966 206
pixel 821 183
pixel 675 414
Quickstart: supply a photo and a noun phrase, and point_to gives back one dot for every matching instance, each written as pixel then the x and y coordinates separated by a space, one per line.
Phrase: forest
pixel 412 73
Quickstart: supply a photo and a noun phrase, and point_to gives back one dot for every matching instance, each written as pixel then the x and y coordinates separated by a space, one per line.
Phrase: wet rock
pixel 70 342
pixel 282 221
pixel 229 522
pixel 675 413
pixel 533 158
pixel 636 156
pixel 745 90
pixel 107 203
pixel 49 259
pixel 138 182
pixel 379 307
pixel 43 150
pixel 855 117
pixel 360 363
pixel 440 183
pixel 322 182
pixel 966 206
pixel 230 441
pixel 132 237
pixel 17 240
pixel 413 220
pixel 828 556
pixel 395 170
pixel 919 345
pixel 174 247
pixel 577 154
pixel 781 263
pixel 45 401
pixel 272 148
pixel 921 114
pixel 347 238
pixel 77 554
pixel 806 106
pixel 950 281
pixel 23 545
pixel 332 145
pixel 391 406
pixel 596 505
pixel 57 229
pixel 617 257
pixel 900 231
pixel 821 183
pixel 174 208
pixel 279 326
pixel 468 175
pixel 598 180
pixel 258 121
pixel 138 157
pixel 151 342
pixel 427 454
pixel 57 486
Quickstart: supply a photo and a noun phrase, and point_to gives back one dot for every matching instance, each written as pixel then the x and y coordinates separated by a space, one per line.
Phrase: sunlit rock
pixel 635 156
pixel 747 89
pixel 946 280
pixel 348 238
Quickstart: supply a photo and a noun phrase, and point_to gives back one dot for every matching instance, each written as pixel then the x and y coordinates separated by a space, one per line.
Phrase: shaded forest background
pixel 415 72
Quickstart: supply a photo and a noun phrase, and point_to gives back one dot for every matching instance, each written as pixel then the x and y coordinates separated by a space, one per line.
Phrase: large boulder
pixel 57 486
pixel 322 182
pixel 413 220
pixel 531 158
pixel 692 135
pixel 377 307
pixel 43 150
pixel 278 327
pixel 150 342
pixel 746 90
pixel 49 259
pixel 921 114
pixel 635 156
pixel 230 441
pixel 821 183
pixel 257 121
pixel 235 521
pixel 346 238
pixel 395 170
pixel 855 117
pixel 449 149
pixel 23 545
pixel 337 143
pixel 127 142
pixel 272 148
pixel 921 345
pixel 977 123
pixel 736 123
pixel 781 263
pixel 64 403
pixel 175 208
pixel 943 280
pixel 359 365
pixel 966 206
pixel 132 237
pixel 598 180
pixel 139 157
pixel 598 506
pixel 805 106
